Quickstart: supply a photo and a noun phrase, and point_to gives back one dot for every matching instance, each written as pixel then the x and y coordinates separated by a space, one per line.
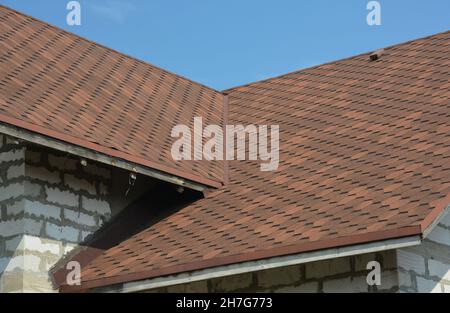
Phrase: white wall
pixel 49 204
pixel 426 268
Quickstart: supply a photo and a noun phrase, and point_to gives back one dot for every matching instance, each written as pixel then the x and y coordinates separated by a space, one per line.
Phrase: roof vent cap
pixel 376 55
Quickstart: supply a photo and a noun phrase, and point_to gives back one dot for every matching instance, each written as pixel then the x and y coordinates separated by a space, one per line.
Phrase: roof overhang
pixel 355 244
pixel 253 261
pixel 90 151
pixel 270 263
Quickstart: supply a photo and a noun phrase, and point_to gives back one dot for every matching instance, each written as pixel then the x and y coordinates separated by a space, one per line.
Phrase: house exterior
pixel 87 178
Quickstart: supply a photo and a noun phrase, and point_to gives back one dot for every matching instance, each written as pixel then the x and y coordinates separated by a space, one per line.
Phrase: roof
pixel 364 156
pixel 68 88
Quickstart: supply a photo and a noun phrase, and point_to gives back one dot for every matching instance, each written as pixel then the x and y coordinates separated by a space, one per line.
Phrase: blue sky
pixel 232 42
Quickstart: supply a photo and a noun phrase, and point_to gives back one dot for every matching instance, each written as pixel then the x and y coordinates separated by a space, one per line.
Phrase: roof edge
pixel 439 209
pixel 116 155
pixel 252 256
pixel 109 48
pixel 265 264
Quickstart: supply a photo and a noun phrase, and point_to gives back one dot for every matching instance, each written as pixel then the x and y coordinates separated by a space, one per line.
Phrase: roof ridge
pixel 229 90
pixel 110 49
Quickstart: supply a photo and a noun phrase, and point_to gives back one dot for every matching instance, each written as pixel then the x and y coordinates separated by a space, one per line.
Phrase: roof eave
pixel 301 253
pixel 91 151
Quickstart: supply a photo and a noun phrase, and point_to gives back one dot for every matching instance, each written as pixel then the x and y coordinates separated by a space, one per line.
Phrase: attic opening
pixel 137 206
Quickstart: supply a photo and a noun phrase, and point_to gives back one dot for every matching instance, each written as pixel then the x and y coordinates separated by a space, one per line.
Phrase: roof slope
pixel 66 87
pixel 365 156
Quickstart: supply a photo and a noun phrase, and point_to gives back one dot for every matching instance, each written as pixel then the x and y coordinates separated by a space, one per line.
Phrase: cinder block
pixel 231 283
pixel 411 262
pixel 79 218
pixel 32 227
pixel 11 191
pixel 43 174
pixel 426 286
pixel 62 163
pixel 61 232
pixel 32 156
pixel 23 263
pixel 404 279
pixel 11 228
pixel 36 244
pixel 326 268
pixel 14 244
pixel 279 276
pixel 37 282
pixel 439 269
pixel 446 287
pixel 14 155
pixel 440 235
pixel 32 190
pixel 57 196
pixel 3 264
pixel 15 209
pixel 346 285
pixel 78 184
pixel 15 171
pixel 11 282
pixel 20 227
pixel 38 209
pixel 96 206
pixel 389 280
pixel 446 219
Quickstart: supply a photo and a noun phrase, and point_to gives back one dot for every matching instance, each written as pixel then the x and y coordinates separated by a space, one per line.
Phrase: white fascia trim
pixel 253 266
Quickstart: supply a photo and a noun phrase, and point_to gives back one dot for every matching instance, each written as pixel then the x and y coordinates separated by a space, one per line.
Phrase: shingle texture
pixel 84 93
pixel 365 155
pixel 364 145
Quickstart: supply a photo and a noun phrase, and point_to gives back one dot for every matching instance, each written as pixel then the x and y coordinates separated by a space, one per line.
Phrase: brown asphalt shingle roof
pixel 365 156
pixel 364 145
pixel 66 87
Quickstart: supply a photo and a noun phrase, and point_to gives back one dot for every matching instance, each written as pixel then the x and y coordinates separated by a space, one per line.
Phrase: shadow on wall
pixel 159 202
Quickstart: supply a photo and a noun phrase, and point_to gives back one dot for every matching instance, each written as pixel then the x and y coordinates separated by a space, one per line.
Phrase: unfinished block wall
pixel 49 203
pixel 346 274
pixel 426 268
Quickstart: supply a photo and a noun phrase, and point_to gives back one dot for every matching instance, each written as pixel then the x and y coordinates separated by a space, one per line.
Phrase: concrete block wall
pixel 347 274
pixel 49 204
pixel 426 268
